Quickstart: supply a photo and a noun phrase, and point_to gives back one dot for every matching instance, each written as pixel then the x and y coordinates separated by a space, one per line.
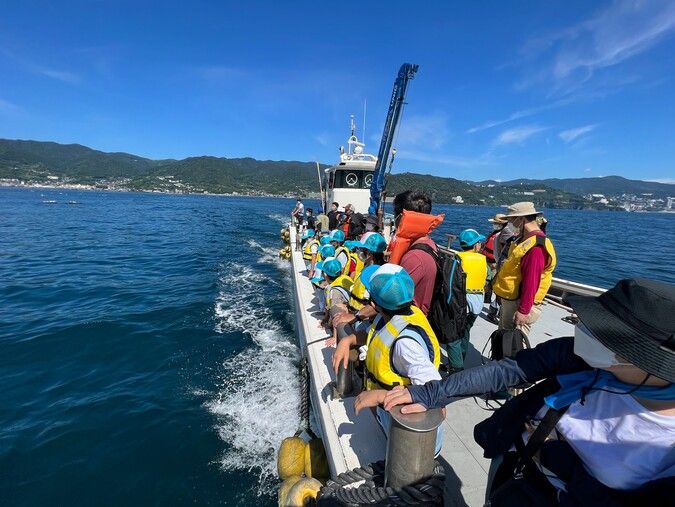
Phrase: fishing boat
pixel 356 442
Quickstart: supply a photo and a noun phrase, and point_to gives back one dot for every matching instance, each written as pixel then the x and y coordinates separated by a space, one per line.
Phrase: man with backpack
pixel 419 260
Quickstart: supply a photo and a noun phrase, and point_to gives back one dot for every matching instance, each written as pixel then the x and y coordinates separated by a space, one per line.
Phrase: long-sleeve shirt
pixel 548 359
pixel 531 268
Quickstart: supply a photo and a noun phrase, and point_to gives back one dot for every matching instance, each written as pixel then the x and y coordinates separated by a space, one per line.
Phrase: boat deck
pixel 352 441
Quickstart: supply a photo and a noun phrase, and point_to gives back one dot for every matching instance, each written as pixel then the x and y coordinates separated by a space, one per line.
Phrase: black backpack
pixel 507 343
pixel 448 310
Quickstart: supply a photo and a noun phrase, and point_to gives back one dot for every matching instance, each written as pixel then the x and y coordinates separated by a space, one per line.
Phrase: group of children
pixel 355 286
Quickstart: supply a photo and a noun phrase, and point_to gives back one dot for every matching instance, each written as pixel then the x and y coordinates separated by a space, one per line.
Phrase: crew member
pixel 526 275
pixel 333 216
pixel 311 220
pixel 475 266
pixel 354 223
pixel 298 213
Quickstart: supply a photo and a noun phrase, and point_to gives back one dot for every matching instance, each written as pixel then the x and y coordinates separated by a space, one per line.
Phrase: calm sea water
pixel 147 354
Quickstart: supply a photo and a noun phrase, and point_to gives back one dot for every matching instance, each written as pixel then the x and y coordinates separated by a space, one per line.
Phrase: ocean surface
pixel 147 353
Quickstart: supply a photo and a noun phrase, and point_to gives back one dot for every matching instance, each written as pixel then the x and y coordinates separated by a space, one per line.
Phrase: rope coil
pixel 426 492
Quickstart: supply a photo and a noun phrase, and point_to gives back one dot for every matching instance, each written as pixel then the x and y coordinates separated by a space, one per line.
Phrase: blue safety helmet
pixel 325 240
pixel 390 286
pixel 327 251
pixel 337 235
pixel 331 266
pixel 309 233
pixel 469 237
pixel 372 241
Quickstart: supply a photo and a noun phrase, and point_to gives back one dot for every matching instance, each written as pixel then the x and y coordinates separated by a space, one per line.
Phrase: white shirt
pixel 412 360
pixel 342 258
pixel 621 443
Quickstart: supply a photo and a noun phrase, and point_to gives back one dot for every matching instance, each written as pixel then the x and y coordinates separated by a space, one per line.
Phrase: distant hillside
pixel 47 162
pixel 606 185
pixel 68 160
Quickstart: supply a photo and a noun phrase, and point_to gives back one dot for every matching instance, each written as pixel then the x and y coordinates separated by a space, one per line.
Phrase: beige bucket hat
pixel 521 209
pixel 499 218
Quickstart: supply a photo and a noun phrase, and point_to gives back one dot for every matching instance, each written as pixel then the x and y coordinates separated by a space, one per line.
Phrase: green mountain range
pixel 47 162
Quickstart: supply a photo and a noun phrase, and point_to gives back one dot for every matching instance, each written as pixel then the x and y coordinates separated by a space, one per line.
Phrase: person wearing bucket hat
pixel 402 347
pixel 474 265
pixel 608 393
pixel 524 278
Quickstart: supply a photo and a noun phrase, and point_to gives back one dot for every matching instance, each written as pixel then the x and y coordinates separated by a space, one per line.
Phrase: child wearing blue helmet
pixel 474 264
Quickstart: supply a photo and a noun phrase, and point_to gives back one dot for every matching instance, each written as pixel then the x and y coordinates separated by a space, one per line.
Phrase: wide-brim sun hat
pixel 390 286
pixel 636 320
pixel 330 266
pixel 372 241
pixel 499 218
pixel 521 209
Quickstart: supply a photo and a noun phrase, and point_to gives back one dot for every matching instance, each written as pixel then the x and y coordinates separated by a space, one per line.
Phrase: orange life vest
pixel 413 226
pixel 489 247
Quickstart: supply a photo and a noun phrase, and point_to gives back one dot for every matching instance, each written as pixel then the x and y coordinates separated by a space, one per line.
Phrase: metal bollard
pixel 411 446
pixel 344 382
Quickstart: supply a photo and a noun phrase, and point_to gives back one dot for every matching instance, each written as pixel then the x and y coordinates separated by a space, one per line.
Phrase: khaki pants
pixel 509 309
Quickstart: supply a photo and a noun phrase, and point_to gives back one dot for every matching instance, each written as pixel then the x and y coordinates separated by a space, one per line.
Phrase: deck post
pixel 411 447
pixel 344 384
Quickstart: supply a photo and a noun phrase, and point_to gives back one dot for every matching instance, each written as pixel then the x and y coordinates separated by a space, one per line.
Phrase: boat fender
pixel 286 487
pixel 316 463
pixel 302 491
pixel 291 457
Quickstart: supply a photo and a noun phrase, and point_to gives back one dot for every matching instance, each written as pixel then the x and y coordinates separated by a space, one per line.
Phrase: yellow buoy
pixel 316 464
pixel 286 487
pixel 302 491
pixel 291 457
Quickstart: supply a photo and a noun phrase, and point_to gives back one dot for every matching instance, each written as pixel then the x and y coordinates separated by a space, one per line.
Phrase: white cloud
pixel 443 159
pixel 322 139
pixel 59 75
pixel 523 113
pixel 669 181
pixel 570 57
pixel 571 134
pixel 6 105
pixel 517 135
pixel 427 132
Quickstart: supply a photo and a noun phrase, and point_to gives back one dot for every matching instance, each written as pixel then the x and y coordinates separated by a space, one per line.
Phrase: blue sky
pixel 504 90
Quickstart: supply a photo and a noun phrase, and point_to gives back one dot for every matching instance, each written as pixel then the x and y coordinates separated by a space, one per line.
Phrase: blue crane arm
pixel 405 74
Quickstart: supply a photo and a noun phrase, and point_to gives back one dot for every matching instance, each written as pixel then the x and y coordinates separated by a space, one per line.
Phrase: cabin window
pixel 352 178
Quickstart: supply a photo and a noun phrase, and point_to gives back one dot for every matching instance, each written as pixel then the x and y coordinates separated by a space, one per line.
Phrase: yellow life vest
pixel 307 250
pixel 342 284
pixel 474 265
pixel 358 294
pixel 507 282
pixel 353 256
pixel 345 250
pixel 381 339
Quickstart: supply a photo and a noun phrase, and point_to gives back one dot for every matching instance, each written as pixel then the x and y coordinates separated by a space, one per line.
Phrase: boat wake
pixel 257 401
pixel 278 217
pixel 268 256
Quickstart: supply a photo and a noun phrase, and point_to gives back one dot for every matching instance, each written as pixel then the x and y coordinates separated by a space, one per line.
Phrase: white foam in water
pixel 268 256
pixel 257 405
pixel 282 219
